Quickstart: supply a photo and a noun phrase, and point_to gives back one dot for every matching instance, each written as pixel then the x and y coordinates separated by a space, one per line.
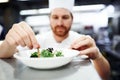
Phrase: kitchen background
pixel 97 18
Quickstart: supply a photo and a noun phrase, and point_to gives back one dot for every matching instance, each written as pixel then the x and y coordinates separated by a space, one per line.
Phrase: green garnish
pixel 47 53
pixel 58 53
pixel 35 54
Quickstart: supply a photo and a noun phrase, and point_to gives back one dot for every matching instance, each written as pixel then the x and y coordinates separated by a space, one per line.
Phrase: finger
pixel 17 38
pixel 23 35
pixel 31 34
pixel 90 52
pixel 91 39
pixel 83 43
pixel 82 37
pixel 72 46
pixel 10 40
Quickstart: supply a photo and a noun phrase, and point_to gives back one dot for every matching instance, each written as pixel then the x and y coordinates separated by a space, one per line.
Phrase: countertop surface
pixel 13 69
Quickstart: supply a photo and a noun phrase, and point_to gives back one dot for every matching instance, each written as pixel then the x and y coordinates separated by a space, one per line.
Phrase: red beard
pixel 60 31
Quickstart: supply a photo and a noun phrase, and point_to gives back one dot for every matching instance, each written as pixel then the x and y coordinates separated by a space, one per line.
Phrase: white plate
pixel 46 63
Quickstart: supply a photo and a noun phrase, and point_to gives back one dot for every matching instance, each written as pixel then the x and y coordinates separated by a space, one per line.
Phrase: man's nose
pixel 60 22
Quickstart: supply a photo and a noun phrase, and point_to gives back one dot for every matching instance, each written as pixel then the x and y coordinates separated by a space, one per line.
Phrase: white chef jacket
pixel 47 40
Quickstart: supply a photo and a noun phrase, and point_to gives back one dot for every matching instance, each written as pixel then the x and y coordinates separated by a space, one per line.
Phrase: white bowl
pixel 46 63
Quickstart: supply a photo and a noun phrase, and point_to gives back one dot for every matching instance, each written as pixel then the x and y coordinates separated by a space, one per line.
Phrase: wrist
pixel 7 50
pixel 98 57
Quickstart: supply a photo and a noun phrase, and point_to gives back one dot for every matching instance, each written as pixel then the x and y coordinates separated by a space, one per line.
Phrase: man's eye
pixel 65 17
pixel 54 17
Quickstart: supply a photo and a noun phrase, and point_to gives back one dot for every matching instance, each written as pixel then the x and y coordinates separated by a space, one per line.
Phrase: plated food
pixel 43 62
pixel 45 53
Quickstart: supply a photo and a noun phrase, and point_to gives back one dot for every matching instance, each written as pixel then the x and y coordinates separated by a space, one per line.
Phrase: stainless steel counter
pixel 12 69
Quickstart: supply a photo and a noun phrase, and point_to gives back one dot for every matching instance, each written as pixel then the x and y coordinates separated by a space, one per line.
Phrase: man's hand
pixel 86 45
pixel 21 34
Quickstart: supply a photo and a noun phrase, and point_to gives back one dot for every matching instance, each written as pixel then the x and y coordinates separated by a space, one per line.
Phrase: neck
pixel 59 39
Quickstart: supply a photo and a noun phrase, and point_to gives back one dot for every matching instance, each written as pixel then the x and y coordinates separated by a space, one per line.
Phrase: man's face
pixel 60 21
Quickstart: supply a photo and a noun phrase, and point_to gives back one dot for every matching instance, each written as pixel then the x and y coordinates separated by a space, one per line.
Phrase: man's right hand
pixel 21 34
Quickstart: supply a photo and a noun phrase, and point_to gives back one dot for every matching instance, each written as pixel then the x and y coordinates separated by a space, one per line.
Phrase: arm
pixel 6 50
pixel 86 45
pixel 102 66
pixel 19 34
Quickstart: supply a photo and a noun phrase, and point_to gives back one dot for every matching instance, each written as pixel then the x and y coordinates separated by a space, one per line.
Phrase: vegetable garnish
pixel 49 52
